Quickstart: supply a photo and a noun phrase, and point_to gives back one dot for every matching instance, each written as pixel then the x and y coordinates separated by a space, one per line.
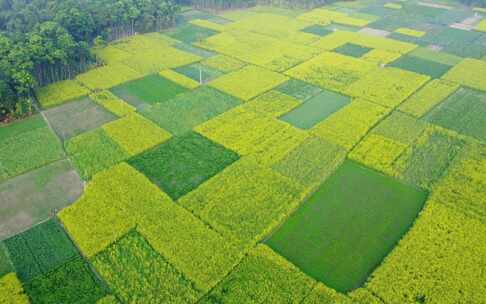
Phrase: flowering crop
pixel 323 294
pixel 427 97
pixel 347 126
pixel 446 269
pixel 263 50
pixel 324 16
pixel 272 103
pixel 248 82
pixel 134 271
pixel 60 92
pixel 135 134
pixel 331 70
pixel 208 24
pixel 245 201
pixel 112 103
pixel 378 152
pixel 107 76
pixel 381 56
pixel 262 277
pixel 11 291
pixel 179 78
pixel 250 133
pixel 223 63
pixel 409 32
pixel 469 72
pixel 462 188
pixel 339 38
pixel 388 86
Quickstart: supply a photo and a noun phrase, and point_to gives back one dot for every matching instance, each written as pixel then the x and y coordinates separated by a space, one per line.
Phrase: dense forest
pixel 42 41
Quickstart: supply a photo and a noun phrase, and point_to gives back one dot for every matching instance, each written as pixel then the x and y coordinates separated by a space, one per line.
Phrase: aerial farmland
pixel 332 153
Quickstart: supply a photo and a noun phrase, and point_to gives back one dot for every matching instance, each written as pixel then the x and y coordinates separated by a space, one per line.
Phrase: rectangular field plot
pixel 421 66
pixel 199 72
pixel 353 50
pixel 40 250
pixel 348 226
pixel 26 145
pixel 60 92
pixel 298 89
pixel 388 86
pixel 72 283
pixel 262 277
pixel 444 243
pixel 250 133
pixel 470 73
pixel 464 112
pixel 245 201
pixel 315 109
pixel 94 151
pixel 190 33
pixel 77 117
pixel 133 270
pixel 317 29
pixel 259 49
pixel 425 163
pixel 30 198
pixel 248 82
pixel 331 70
pixel 148 90
pixel 184 112
pixel 183 163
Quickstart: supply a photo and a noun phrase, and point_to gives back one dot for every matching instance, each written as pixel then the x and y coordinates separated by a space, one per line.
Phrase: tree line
pixel 230 4
pixel 43 41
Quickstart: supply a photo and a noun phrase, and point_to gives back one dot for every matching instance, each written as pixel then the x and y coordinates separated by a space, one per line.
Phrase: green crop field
pixel 325 236
pixel 255 153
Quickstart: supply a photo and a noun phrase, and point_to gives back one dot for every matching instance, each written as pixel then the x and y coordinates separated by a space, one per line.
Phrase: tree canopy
pixel 42 41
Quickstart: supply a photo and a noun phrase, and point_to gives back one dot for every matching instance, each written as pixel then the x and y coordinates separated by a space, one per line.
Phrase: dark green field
pixel 148 90
pixel 315 109
pixel 348 226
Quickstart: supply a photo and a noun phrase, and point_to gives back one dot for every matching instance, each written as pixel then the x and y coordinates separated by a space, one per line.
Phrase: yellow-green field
pixel 261 155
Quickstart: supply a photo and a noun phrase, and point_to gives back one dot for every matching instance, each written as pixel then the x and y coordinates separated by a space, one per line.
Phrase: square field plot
pixel 40 250
pixel 317 29
pixel 132 259
pixel 198 72
pixel 183 163
pixel 421 66
pixel 298 89
pixel 72 283
pixel 315 109
pixel 30 198
pixel 27 145
pixel 353 50
pixel 464 112
pixel 248 82
pixel 387 87
pixel 77 117
pixel 148 90
pixel 348 226
pixel 190 33
pixel 182 113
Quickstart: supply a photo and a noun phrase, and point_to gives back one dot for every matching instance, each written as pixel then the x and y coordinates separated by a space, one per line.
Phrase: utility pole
pixel 199 40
